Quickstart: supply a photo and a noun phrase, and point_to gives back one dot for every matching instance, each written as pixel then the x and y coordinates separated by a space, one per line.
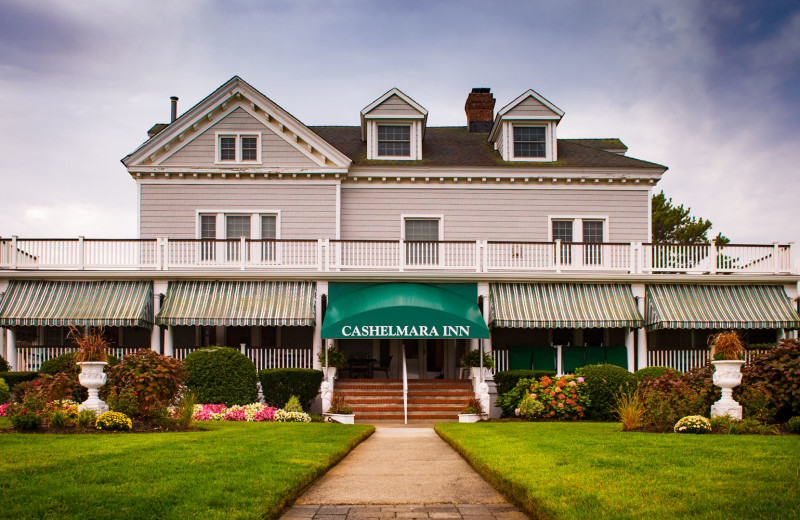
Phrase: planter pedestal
pixel 93 377
pixel 727 376
pixel 470 417
pixel 343 418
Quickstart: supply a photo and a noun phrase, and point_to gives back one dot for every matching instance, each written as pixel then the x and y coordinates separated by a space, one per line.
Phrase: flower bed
pixel 254 412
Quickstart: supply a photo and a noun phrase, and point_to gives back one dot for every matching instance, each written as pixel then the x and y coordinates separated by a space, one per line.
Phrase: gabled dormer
pixel 393 127
pixel 525 129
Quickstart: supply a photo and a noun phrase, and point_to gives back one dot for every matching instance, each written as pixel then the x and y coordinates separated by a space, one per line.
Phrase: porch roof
pixel 238 303
pixel 685 306
pixel 79 303
pixel 562 305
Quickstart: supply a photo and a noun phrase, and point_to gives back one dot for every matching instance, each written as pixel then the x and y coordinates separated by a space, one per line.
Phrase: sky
pixel 710 88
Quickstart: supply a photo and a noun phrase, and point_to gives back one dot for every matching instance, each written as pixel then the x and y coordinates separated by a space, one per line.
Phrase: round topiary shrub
pixel 644 373
pixel 604 384
pixel 221 375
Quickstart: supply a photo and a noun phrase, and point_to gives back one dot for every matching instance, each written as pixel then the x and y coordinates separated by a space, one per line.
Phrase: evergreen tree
pixel 674 224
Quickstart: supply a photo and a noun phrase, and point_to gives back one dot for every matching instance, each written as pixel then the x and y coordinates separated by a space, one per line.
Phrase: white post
pixel 316 346
pixel 483 290
pixel 559 361
pixel 242 348
pixel 11 344
pixel 81 254
pixel 169 349
pixel 558 255
pixel 638 291
pixel 3 351
pixel 155 334
pixel 630 339
pixel 405 387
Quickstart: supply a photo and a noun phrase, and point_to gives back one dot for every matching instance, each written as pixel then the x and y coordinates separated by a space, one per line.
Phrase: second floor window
pixel 422 237
pixel 562 230
pixel 529 141
pixel 394 141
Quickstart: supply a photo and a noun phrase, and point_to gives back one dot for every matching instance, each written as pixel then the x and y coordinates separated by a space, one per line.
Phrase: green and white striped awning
pixel 238 303
pixel 687 306
pixel 62 303
pixel 562 305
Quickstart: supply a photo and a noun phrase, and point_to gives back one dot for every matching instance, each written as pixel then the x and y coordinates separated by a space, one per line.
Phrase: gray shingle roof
pixel 454 146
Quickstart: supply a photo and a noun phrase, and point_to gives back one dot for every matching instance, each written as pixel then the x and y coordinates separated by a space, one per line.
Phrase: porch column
pixel 630 340
pixel 155 334
pixel 11 345
pixel 168 341
pixel 641 333
pixel 3 351
pixel 781 334
pixel 322 289
pixel 483 290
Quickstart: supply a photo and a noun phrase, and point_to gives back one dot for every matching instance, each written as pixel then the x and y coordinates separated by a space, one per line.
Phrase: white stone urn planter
pixel 727 375
pixel 93 377
pixel 330 374
pixel 343 418
pixel 471 417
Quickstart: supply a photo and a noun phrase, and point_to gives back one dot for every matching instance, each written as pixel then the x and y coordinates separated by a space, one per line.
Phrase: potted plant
pixel 339 411
pixel 727 353
pixel 336 359
pixel 91 357
pixel 472 359
pixel 473 412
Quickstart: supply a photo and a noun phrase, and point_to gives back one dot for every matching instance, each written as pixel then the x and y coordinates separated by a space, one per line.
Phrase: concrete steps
pixel 382 399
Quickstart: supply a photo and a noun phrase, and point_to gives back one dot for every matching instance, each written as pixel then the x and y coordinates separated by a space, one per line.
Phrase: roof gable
pixel 233 95
pixel 530 105
pixel 394 104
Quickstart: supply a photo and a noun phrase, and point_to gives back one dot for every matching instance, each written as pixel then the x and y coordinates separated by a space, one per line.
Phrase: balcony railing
pixel 479 256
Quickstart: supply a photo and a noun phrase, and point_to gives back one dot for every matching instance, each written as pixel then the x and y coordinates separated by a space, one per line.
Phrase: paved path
pixel 402 472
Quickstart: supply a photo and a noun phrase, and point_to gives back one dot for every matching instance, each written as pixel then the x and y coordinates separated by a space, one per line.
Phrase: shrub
pixel 185 409
pixel 4 366
pixel 153 378
pixel 114 421
pixel 629 410
pixel 779 372
pixel 668 398
pixel 86 418
pixel 12 379
pixel 47 388
pixel 644 373
pixel 604 383
pixel 508 379
pixel 221 375
pixel 793 424
pixel 509 400
pixel 726 425
pixel 336 358
pixel 563 398
pixel 58 417
pixel 756 402
pixel 25 420
pixel 293 404
pixel 473 359
pixel 284 416
pixel 693 424
pixel 279 384
pixel 124 400
pixel 29 413
pixel 5 393
pixel 473 406
pixel 530 407
pixel 337 406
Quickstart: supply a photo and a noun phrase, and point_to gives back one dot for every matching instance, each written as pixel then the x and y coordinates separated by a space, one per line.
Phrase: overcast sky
pixel 710 89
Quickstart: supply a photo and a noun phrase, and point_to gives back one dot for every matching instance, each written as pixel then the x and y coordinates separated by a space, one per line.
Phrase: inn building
pixel 402 244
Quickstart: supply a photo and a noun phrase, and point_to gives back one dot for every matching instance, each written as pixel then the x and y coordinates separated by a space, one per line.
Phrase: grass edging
pixel 506 487
pixel 289 498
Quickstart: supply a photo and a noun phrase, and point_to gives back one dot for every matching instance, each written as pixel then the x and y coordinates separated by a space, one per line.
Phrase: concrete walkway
pixel 402 472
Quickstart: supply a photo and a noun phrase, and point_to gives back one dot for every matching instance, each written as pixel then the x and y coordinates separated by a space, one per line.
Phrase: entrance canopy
pixel 238 303
pixel 403 310
pixel 63 303
pixel 563 305
pixel 684 306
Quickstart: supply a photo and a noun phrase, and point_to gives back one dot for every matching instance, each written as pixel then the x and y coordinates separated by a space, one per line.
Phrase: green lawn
pixel 593 470
pixel 233 470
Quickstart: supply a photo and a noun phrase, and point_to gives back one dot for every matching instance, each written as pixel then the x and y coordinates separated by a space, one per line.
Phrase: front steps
pixel 382 399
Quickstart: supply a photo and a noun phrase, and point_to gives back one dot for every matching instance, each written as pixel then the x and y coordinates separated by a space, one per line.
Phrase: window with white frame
pixel 422 240
pixel 269 224
pixel 238 147
pixel 394 140
pixel 530 141
pixel 592 233
pixel 232 227
pixel 592 239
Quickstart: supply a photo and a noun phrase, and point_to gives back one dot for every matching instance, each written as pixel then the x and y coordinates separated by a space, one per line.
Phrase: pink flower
pixel 36 383
pixel 580 380
pixel 516 411
pixel 561 405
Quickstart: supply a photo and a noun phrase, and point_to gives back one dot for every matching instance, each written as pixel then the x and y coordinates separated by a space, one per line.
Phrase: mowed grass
pixel 593 470
pixel 233 470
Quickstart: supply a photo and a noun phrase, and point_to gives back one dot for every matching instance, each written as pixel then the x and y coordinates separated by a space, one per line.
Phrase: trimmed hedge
pixel 644 373
pixel 14 378
pixel 221 375
pixel 605 382
pixel 4 366
pixel 507 380
pixel 279 384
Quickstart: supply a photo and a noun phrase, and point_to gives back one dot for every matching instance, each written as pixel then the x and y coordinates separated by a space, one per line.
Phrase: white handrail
pixel 405 388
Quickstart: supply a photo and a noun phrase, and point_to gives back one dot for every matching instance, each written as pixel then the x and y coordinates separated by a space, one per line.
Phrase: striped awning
pixel 684 306
pixel 238 303
pixel 62 303
pixel 563 305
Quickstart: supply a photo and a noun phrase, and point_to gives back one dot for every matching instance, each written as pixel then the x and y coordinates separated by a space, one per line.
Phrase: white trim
pixel 394 92
pixel 255 221
pixel 421 216
pixel 238 146
pixel 650 214
pixel 550 143
pixel 577 225
pixel 500 117
pixel 138 209
pixel 415 140
pixel 490 184
pixel 338 211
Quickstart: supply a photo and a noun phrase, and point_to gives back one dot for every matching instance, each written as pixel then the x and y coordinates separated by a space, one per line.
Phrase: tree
pixel 674 224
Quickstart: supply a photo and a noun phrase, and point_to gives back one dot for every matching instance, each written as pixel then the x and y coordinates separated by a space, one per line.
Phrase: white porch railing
pixel 685 360
pixel 280 357
pixel 31 358
pixel 500 358
pixel 394 255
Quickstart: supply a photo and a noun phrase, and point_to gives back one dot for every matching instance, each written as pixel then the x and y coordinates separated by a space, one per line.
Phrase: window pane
pixel 268 227
pixel 592 230
pixel 237 226
pixel 208 227
pixel 249 149
pixel 562 230
pixel 227 148
pixel 529 141
pixel 394 140
pixel 423 230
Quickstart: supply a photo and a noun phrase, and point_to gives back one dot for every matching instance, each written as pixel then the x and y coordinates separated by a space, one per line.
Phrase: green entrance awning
pixel 239 303
pixel 403 310
pixel 685 306
pixel 63 303
pixel 563 305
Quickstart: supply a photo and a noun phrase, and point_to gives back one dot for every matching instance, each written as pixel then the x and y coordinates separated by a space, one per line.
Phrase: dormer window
pixel 394 140
pixel 530 141
pixel 238 148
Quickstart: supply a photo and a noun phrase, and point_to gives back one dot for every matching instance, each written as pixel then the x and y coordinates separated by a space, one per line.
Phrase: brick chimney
pixel 480 110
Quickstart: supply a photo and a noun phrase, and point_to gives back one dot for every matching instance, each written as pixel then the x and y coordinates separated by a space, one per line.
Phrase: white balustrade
pixel 265 358
pixel 687 359
pixel 500 358
pixel 31 358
